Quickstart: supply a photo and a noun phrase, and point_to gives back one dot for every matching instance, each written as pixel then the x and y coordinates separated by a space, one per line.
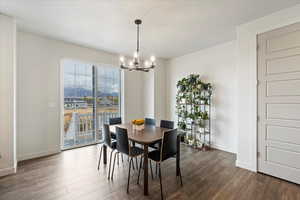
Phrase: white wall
pixel 247 76
pixel 216 65
pixel 155 92
pixel 148 92
pixel 38 81
pixel 7 95
pixel 160 90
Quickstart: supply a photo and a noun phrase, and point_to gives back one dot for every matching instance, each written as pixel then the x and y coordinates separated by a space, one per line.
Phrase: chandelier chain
pixel 138 39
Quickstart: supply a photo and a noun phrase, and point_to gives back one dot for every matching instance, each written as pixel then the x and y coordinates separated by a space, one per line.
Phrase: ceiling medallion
pixel 135 63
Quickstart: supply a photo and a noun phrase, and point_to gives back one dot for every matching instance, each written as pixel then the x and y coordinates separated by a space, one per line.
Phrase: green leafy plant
pixel 182 125
pixel 204 115
pixel 203 119
pixel 192 91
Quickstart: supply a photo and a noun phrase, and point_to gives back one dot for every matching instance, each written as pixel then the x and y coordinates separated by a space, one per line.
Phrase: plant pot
pixel 205 147
pixel 189 139
pixel 204 123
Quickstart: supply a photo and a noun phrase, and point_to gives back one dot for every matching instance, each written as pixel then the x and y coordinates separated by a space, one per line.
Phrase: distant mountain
pixel 103 94
pixel 82 92
pixel 77 92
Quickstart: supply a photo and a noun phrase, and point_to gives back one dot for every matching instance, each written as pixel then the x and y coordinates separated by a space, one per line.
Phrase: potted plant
pixel 204 119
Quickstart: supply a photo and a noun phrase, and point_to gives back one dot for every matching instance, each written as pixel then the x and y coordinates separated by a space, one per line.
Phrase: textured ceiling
pixel 170 28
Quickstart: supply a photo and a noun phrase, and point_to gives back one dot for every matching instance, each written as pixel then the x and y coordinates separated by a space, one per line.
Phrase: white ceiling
pixel 170 27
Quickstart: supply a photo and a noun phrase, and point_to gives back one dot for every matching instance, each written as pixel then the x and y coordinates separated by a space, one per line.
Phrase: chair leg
pixel 112 174
pixel 156 169
pixel 118 159
pixel 131 161
pixel 136 162
pixel 151 170
pixel 161 190
pixel 100 157
pixel 109 169
pixel 138 180
pixel 132 164
pixel 180 177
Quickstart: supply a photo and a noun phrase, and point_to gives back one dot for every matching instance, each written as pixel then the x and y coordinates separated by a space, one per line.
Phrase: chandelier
pixel 135 63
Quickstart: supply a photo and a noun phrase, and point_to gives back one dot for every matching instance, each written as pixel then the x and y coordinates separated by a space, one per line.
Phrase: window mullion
pixel 96 126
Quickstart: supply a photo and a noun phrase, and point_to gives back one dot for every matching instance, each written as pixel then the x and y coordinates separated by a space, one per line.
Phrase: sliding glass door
pixel 108 95
pixel 91 97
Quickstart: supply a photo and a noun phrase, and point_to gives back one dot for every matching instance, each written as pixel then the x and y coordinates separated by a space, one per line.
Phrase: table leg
pixel 104 154
pixel 146 192
pixel 178 157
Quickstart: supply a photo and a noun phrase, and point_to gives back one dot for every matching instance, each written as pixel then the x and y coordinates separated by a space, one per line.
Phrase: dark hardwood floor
pixel 73 175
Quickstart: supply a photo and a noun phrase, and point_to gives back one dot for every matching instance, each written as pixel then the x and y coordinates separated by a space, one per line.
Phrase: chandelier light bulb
pixel 152 58
pixel 146 63
pixel 122 59
pixel 130 63
pixel 135 54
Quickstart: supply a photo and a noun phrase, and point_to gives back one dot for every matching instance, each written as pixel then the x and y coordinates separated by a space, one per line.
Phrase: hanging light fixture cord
pixel 138 38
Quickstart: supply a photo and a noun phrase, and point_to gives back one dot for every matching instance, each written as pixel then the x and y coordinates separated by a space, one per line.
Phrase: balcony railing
pixel 80 128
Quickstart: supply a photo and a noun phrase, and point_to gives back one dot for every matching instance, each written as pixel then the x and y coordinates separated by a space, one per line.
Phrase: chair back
pixel 122 140
pixel 106 135
pixel 150 121
pixel 116 120
pixel 166 124
pixel 169 144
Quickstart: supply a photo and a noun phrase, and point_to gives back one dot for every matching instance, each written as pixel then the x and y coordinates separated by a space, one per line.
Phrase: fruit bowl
pixel 138 124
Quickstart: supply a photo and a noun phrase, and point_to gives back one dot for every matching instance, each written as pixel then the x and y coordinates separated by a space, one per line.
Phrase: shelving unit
pixel 194 112
pixel 197 132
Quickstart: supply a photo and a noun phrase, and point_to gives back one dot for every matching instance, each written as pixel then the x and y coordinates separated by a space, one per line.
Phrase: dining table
pixel 146 136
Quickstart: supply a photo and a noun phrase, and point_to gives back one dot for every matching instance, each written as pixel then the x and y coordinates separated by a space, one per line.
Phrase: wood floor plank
pixel 207 175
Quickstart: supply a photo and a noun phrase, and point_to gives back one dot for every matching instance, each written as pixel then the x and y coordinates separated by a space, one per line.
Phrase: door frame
pixel 257 156
pixel 61 98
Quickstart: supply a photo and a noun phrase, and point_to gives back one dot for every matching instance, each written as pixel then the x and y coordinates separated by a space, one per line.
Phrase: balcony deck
pixel 82 130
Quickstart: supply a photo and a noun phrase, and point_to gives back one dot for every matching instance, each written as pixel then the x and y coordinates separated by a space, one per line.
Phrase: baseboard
pixel 222 148
pixel 245 166
pixel 7 171
pixel 38 154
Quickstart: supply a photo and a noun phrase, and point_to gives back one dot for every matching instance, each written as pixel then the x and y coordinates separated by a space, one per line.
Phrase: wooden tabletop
pixel 148 135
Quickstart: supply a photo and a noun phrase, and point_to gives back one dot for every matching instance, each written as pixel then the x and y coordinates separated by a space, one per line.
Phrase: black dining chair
pixel 114 121
pixel 168 150
pixel 150 122
pixel 167 124
pixel 163 124
pixel 107 141
pixel 124 147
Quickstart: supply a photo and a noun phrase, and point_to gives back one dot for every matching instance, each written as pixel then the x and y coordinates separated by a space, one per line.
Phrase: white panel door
pixel 279 103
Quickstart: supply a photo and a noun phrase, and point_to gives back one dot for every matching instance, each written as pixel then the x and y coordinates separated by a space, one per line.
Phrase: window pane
pixel 78 104
pixel 108 94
